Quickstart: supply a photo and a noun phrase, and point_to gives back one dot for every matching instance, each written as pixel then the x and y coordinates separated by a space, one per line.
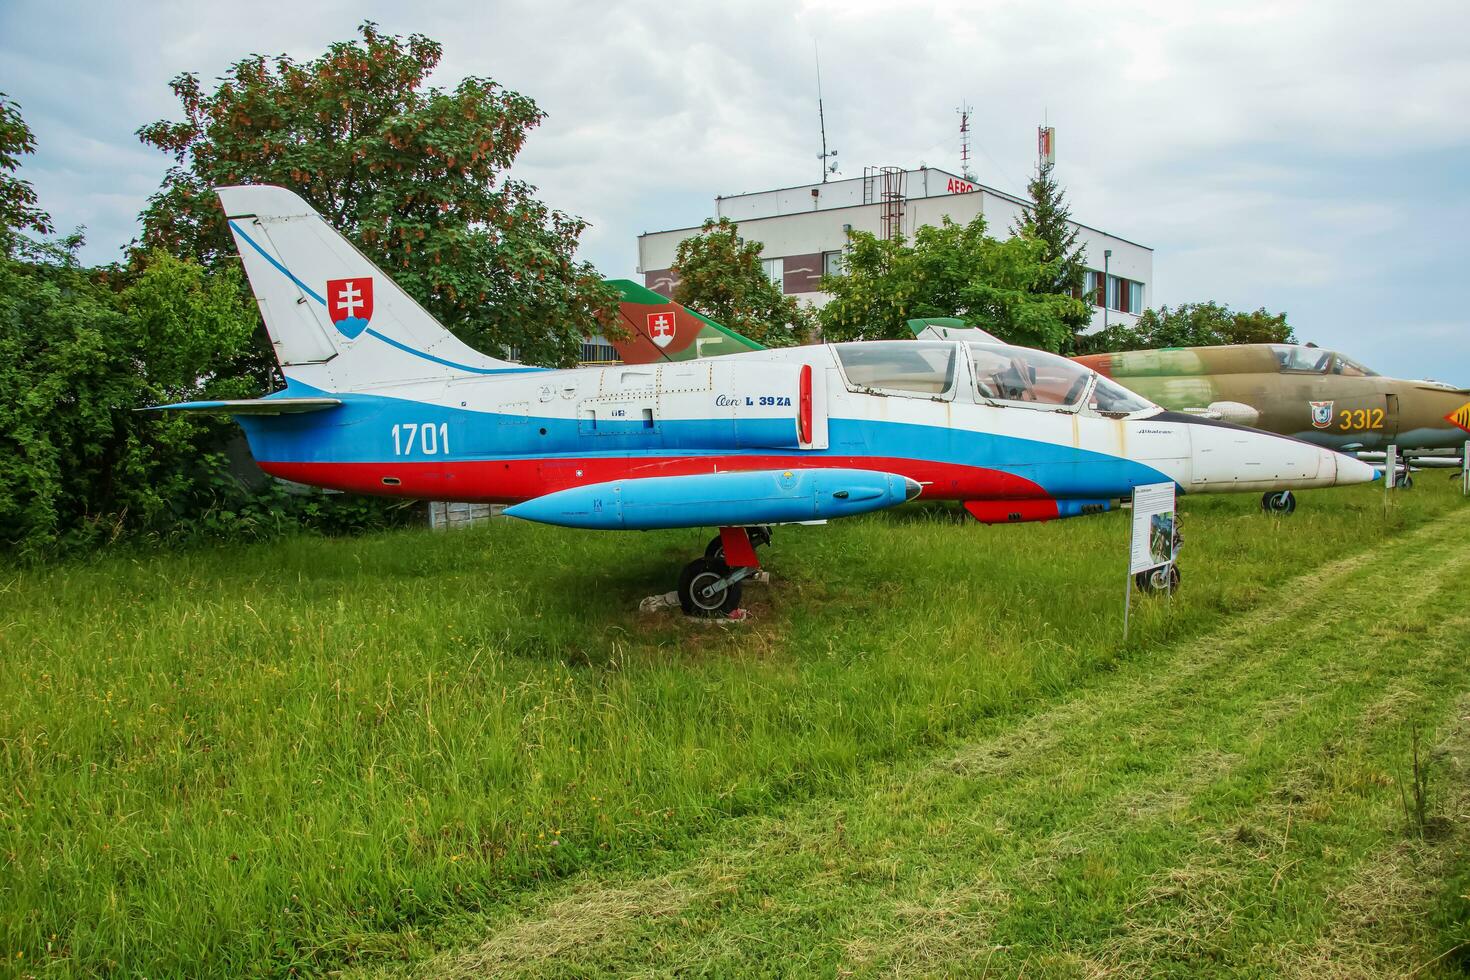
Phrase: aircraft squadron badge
pixel 1321 414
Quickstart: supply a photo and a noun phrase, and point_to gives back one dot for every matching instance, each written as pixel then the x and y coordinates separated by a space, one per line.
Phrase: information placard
pixel 1391 468
pixel 1465 469
pixel 1153 527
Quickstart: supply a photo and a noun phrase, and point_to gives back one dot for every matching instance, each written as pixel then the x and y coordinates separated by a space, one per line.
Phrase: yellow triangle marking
pixel 1461 416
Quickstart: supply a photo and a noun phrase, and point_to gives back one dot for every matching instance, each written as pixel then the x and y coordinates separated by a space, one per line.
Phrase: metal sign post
pixel 1152 542
pixel 1390 473
pixel 1127 601
pixel 1465 469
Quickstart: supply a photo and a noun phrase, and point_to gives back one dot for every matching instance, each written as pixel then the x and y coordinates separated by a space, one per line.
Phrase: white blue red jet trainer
pixel 381 399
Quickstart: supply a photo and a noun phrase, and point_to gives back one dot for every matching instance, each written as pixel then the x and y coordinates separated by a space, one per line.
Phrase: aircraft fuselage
pixel 1321 401
pixel 517 437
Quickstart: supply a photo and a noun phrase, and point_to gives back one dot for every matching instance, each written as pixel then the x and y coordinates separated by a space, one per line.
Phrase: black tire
pixel 696 576
pixel 1405 481
pixel 1278 502
pixel 1155 580
pixel 715 550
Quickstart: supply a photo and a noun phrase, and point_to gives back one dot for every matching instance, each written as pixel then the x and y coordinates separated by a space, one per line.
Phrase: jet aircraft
pixel 1314 394
pixel 381 399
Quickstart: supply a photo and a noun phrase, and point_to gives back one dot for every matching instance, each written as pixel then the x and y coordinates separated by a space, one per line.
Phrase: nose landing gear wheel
pixel 1404 481
pixel 1283 502
pixel 699 576
pixel 1164 579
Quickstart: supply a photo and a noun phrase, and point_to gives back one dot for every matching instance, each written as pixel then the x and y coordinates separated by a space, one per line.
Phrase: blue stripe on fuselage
pixel 361 431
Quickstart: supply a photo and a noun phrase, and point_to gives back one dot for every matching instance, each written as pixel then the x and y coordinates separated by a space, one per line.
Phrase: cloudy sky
pixel 1306 157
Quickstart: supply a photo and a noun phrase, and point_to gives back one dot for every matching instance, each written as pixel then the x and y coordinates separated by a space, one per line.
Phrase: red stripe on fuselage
pixel 513 480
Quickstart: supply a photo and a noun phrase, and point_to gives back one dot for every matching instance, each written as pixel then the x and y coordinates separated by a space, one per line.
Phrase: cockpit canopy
pixel 905 366
pixel 1042 380
pixel 1300 359
pixel 1003 375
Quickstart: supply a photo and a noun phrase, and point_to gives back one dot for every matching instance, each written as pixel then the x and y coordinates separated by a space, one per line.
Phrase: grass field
pixel 930 752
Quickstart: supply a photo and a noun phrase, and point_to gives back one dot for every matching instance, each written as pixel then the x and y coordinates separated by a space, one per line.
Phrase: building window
pixel 775 270
pixel 1123 295
pixel 1093 287
pixel 596 350
pixel 831 263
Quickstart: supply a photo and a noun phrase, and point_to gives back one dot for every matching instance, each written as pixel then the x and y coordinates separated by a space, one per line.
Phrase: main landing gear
pixel 1278 502
pixel 710 586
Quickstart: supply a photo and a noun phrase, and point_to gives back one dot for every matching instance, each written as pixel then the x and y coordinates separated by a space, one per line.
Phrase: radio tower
pixel 964 112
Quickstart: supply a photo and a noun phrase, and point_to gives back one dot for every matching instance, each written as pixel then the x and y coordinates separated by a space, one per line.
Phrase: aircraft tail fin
pixel 661 330
pixel 949 328
pixel 336 321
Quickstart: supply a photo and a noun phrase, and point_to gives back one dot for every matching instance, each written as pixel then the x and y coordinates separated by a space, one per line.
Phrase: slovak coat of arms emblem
pixel 350 304
pixel 661 328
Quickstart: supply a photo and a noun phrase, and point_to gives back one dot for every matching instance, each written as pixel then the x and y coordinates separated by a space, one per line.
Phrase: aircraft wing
pixel 250 406
pixel 732 499
pixel 662 330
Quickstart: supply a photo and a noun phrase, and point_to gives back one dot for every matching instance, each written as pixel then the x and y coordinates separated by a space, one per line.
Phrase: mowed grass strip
pixel 307 754
pixel 1230 805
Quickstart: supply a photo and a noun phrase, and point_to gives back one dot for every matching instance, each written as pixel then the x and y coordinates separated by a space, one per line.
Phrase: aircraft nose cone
pixel 1350 471
pixel 911 488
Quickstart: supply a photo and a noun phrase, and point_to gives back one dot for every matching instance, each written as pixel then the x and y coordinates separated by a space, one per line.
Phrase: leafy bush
pixel 78 465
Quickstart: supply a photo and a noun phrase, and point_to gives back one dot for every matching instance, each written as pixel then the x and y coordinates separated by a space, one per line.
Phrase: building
pixel 804 229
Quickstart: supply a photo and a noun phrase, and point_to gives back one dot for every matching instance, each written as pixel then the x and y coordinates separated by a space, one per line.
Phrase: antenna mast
pixel 964 112
pixel 822 122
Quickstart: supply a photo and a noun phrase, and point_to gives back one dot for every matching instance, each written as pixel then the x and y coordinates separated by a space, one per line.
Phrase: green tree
pixel 1259 327
pixel 414 175
pixel 1191 325
pixel 721 276
pixel 76 358
pixel 78 465
pixel 1047 219
pixel 80 350
pixel 949 270
pixel 19 209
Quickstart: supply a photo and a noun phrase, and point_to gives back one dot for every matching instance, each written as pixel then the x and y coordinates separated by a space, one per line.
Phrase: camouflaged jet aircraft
pixel 1307 392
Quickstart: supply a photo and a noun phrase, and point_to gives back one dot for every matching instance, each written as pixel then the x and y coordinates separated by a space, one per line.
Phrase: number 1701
pixel 431 439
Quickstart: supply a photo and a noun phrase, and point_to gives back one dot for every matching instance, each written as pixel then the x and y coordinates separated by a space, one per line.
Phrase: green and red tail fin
pixel 949 328
pixel 661 330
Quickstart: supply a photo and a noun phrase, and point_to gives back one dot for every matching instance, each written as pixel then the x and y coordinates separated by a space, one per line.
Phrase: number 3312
pixel 1362 418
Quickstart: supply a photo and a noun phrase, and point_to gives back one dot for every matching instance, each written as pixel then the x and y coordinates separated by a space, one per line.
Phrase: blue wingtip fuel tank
pixel 719 499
